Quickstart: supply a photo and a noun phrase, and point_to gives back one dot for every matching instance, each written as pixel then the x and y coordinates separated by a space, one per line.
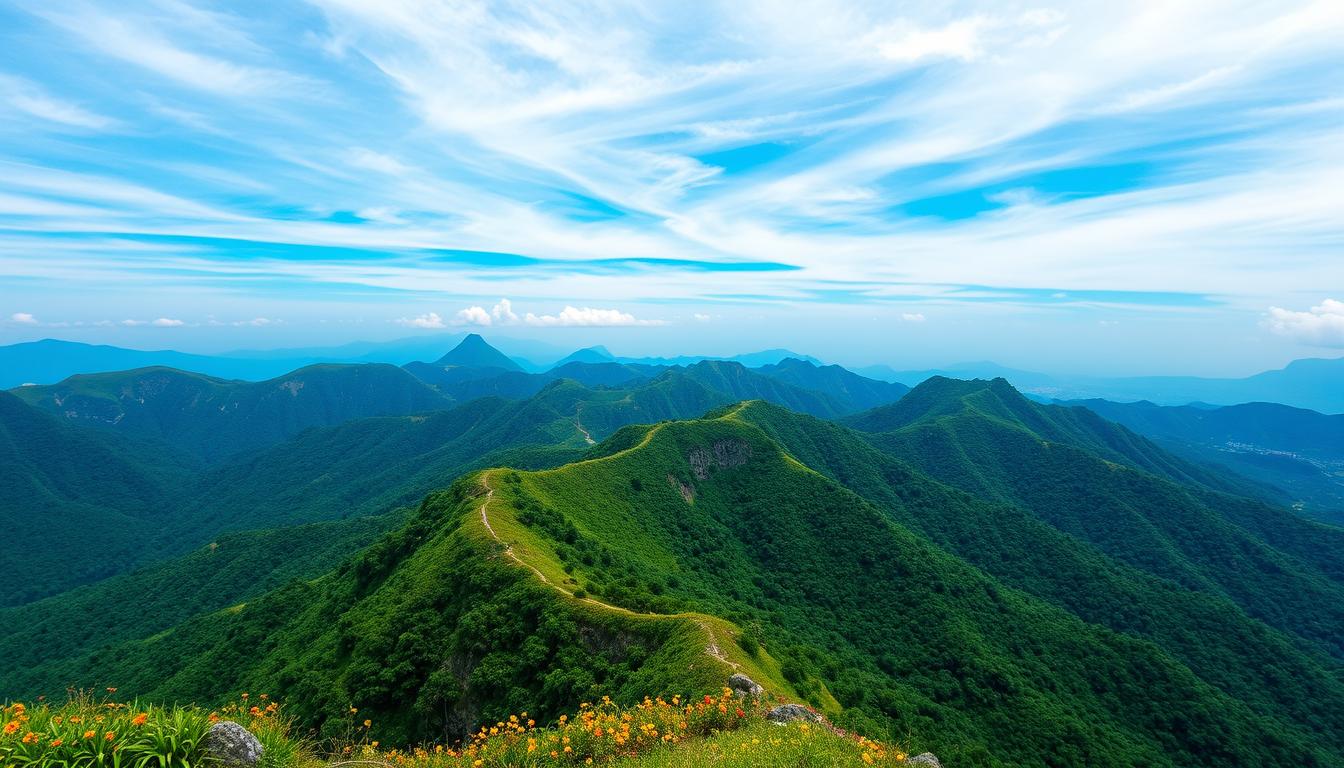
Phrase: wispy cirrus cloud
pixel 602 151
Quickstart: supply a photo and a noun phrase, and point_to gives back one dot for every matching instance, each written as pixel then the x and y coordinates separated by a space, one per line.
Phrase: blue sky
pixel 1151 187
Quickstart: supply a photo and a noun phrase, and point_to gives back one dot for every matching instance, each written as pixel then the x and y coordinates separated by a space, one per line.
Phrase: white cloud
pixel 23 318
pixel 1322 325
pixel 701 318
pixel 472 316
pixel 167 322
pixel 503 312
pixel 913 317
pixel 587 316
pixel 427 320
pixel 255 322
pixel 959 39
pixel 27 96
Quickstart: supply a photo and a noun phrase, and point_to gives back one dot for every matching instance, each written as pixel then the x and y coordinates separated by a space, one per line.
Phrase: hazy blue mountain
pixel 474 352
pixel 749 359
pixel 215 418
pixel 1299 451
pixel 1316 384
pixel 50 360
pixel 598 354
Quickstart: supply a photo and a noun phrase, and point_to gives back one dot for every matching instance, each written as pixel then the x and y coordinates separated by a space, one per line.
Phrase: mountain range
pixel 1004 581
pixel 1308 384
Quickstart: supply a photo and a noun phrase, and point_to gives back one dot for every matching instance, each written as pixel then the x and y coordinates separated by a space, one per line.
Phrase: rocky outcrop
pixel 927 760
pixel 745 686
pixel 724 454
pixel 232 746
pixel 788 713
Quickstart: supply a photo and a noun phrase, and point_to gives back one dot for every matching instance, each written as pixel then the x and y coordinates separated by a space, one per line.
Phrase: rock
pixel 232 745
pixel 745 686
pixel 787 713
pixel 926 759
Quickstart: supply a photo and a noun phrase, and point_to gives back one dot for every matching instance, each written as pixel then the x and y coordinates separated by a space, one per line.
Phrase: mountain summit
pixel 475 352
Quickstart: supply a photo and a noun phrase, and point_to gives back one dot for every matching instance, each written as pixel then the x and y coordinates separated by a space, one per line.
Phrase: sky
pixel 1146 187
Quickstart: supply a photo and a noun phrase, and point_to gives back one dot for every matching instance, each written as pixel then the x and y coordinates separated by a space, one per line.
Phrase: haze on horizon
pixel 1129 189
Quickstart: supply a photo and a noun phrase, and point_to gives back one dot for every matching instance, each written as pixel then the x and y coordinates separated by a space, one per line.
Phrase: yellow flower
pixel 89 734
pixel 11 726
pixel 368 723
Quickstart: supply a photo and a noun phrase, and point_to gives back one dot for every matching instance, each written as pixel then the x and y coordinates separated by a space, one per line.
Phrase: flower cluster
pixel 91 732
pixel 605 733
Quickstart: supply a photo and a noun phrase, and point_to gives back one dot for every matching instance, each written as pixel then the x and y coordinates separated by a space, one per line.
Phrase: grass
pixel 656 733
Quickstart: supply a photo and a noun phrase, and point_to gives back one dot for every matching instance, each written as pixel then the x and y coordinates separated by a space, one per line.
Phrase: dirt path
pixel 711 649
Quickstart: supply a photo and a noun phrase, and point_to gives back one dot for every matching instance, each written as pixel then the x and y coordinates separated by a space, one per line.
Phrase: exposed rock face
pixel 787 713
pixel 927 759
pixel 232 745
pixel 745 686
pixel 723 454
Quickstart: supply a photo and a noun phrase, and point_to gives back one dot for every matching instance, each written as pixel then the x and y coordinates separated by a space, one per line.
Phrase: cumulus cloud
pixel 1322 325
pixel 472 316
pixel 913 317
pixel 23 318
pixel 587 316
pixel 427 320
pixel 166 322
pixel 502 313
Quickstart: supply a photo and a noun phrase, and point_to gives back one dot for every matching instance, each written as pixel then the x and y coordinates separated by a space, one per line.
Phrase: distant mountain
pixel 1296 450
pixel 76 504
pixel 1316 384
pixel 214 418
pixel 474 352
pixel 598 354
pixel 856 392
pixel 49 361
pixel 749 359
pixel 1024 380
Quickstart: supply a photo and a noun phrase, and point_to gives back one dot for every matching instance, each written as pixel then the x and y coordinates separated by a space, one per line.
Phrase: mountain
pixel 50 360
pixel 1259 426
pixel 741 383
pixel 1315 384
pixel 855 392
pixel 1297 451
pixel 1132 501
pixel 524 590
pixel 748 359
pixel 76 504
pixel 474 352
pixel 1203 628
pixel 214 418
pixel 598 354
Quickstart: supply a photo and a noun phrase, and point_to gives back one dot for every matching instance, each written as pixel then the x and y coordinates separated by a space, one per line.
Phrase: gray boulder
pixel 787 713
pixel 232 745
pixel 745 686
pixel 927 759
